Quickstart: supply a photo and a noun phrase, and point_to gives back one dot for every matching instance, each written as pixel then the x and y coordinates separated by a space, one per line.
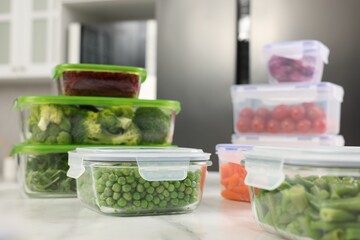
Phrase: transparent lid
pixel 61 68
pixel 288 92
pixel 296 49
pixel 264 165
pixel 26 101
pixel 232 147
pixel 286 140
pixel 154 163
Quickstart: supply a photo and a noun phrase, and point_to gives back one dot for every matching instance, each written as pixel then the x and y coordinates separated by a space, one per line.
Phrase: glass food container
pixel 295 61
pixel 97 120
pixel 99 80
pixel 139 181
pixel 42 170
pixel 287 109
pixel 305 192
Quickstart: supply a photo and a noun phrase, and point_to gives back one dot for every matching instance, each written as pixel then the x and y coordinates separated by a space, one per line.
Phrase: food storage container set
pixel 121 159
pixel 296 108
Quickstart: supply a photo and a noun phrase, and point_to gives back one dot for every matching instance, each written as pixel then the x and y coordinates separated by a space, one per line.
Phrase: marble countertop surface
pixel 58 219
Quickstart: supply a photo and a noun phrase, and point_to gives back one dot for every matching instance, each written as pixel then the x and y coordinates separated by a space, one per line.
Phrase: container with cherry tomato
pixel 301 109
pixel 295 61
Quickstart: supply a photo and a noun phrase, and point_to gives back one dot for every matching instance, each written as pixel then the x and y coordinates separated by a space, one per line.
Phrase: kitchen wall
pixel 9 120
pixel 333 22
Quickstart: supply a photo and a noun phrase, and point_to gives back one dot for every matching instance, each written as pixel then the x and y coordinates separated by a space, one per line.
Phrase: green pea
pixel 149 197
pixel 156 200
pixel 141 180
pixel 181 195
pixel 110 201
pixel 191 176
pixel 101 181
pixel 133 185
pixel 155 184
pixel 160 189
pixel 193 199
pixel 147 185
pixel 166 184
pixel 171 187
pixel 140 188
pixel 166 193
pixel 188 190
pixel 102 203
pixel 113 177
pixel 108 183
pixel 130 179
pixel 116 206
pixel 102 197
pixel 100 188
pixel 127 196
pixel 187 182
pixel 163 204
pixel 137 174
pixel 150 190
pixel 118 172
pixel 121 180
pixel 182 187
pixel 137 203
pixel 177 184
pixel 151 205
pixel 174 195
pixel 194 193
pixel 105 177
pixel 116 188
pixel 162 197
pixel 116 196
pixel 182 203
pixel 126 188
pixel 126 171
pixel 144 204
pixel 136 196
pixel 97 174
pixel 193 184
pixel 174 202
pixel 122 202
pixel 187 198
pixel 108 192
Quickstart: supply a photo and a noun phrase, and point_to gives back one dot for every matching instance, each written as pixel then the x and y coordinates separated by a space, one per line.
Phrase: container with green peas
pixel 130 181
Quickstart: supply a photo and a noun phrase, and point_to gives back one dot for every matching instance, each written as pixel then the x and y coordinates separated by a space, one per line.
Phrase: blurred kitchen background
pixel 193 50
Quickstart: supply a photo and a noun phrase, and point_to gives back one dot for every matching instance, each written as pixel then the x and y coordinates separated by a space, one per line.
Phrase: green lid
pixel 26 101
pixel 43 148
pixel 61 68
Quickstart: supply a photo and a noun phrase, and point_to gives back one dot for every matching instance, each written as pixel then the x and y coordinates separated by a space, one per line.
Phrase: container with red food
pixel 99 80
pixel 287 109
pixel 232 172
pixel 295 61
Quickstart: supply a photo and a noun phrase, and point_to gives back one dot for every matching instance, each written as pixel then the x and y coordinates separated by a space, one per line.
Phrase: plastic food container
pixel 296 61
pixel 305 193
pixel 232 172
pixel 42 170
pixel 139 181
pixel 288 141
pixel 96 120
pixel 287 109
pixel 99 80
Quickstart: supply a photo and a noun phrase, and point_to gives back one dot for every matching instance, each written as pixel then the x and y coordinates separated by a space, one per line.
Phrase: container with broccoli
pixel 307 192
pixel 42 170
pixel 126 181
pixel 97 120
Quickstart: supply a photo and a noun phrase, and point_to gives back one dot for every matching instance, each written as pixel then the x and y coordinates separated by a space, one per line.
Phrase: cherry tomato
pixel 257 125
pixel 319 125
pixel 303 126
pixel 243 124
pixel 315 112
pixel 297 112
pixel 280 112
pixel 287 125
pixel 273 126
pixel 247 112
pixel 263 113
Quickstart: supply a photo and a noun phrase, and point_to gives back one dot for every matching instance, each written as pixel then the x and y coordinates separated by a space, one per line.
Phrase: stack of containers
pixel 97 106
pixel 296 108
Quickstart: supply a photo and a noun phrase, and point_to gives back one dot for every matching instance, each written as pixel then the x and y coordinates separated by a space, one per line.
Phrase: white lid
pixel 296 49
pixel 154 163
pixel 264 165
pixel 287 92
pixel 286 140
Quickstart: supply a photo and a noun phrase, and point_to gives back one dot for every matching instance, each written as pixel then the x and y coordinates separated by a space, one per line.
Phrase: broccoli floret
pixel 123 111
pixel 154 125
pixel 113 123
pixel 48 124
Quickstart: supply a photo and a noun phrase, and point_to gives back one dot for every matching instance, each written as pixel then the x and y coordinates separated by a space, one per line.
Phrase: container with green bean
pixel 306 192
pixel 130 181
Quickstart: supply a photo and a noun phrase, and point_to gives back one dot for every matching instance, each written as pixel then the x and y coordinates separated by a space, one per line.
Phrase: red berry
pixel 273 126
pixel 319 125
pixel 287 125
pixel 257 125
pixel 280 112
pixel 247 112
pixel 303 126
pixel 314 112
pixel 243 124
pixel 263 113
pixel 297 112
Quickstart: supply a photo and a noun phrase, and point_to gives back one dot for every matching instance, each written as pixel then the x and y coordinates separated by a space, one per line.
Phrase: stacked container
pixel 296 108
pixel 120 154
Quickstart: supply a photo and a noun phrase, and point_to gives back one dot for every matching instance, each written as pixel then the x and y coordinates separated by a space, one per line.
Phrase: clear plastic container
pixel 139 181
pixel 99 80
pixel 307 192
pixel 295 61
pixel 97 120
pixel 42 170
pixel 232 172
pixel 287 109
pixel 288 141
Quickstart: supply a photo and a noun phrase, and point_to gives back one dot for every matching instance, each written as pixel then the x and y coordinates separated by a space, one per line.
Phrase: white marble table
pixel 52 219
